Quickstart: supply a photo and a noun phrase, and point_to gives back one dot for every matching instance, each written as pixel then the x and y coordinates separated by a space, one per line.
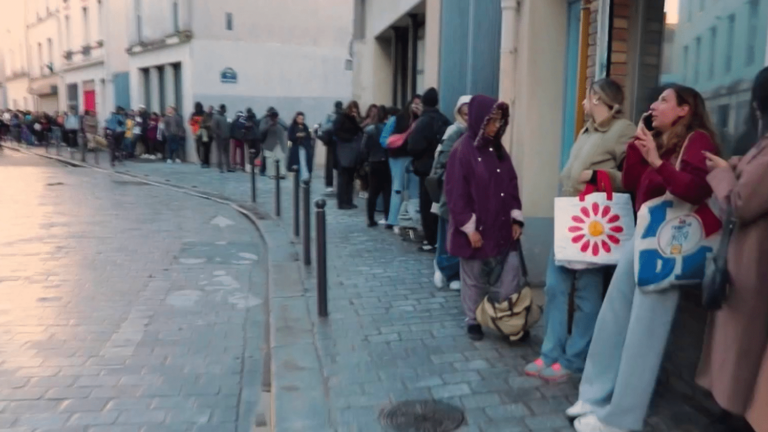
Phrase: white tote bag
pixel 593 230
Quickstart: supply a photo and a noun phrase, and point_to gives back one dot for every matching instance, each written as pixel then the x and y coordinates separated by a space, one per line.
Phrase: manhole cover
pixel 422 416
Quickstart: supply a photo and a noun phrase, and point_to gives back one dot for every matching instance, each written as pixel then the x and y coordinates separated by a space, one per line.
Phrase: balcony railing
pixel 86 53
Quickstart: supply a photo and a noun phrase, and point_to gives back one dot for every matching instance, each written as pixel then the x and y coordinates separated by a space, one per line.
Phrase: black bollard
pixel 252 153
pixel 277 187
pixel 306 235
pixel 83 148
pixel 296 205
pixel 322 275
pixel 96 155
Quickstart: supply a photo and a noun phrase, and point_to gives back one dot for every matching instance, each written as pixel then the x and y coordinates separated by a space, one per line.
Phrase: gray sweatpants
pixel 474 289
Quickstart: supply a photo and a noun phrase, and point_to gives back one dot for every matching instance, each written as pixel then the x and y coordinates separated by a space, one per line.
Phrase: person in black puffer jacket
pixel 347 134
pixel 422 145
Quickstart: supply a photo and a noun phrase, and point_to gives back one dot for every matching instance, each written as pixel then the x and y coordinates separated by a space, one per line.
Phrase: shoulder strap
pixel 682 151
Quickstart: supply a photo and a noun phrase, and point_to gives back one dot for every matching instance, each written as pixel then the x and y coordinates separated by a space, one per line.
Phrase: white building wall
pixel 380 14
pixel 14 48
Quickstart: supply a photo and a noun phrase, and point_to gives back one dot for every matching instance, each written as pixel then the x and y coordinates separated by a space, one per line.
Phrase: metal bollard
pixel 252 153
pixel 96 156
pixel 306 235
pixel 322 275
pixel 83 149
pixel 277 187
pixel 296 205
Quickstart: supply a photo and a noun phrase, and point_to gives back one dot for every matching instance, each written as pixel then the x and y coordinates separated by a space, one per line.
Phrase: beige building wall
pixel 539 97
pixel 432 44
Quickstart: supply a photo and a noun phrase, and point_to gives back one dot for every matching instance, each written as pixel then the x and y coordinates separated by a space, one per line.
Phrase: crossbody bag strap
pixel 682 151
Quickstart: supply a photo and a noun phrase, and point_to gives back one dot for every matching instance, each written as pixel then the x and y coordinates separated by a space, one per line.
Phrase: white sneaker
pixel 178 161
pixel 329 191
pixel 169 161
pixel 396 230
pixel 590 423
pixel 438 279
pixel 383 222
pixel 579 409
pixel 455 286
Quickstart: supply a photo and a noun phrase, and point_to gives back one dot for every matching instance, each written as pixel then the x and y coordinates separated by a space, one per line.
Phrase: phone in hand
pixel 648 121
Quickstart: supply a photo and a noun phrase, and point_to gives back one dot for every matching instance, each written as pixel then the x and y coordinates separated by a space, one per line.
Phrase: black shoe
pixel 230 170
pixel 475 332
pixel 372 224
pixel 389 227
pixel 354 206
pixel 346 207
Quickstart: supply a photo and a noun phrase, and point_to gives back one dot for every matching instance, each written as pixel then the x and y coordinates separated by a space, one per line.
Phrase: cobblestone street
pixel 125 307
pixel 391 335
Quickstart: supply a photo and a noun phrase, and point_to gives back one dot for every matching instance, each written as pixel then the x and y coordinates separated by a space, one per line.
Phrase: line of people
pixel 470 210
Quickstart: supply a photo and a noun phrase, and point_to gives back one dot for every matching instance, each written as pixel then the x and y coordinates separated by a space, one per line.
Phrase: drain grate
pixel 422 416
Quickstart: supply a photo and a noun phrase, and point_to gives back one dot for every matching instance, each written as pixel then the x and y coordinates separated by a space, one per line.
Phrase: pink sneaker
pixel 555 373
pixel 534 369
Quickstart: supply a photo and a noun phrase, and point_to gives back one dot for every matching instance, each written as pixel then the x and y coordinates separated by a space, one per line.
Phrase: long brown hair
pixel 352 105
pixel 696 120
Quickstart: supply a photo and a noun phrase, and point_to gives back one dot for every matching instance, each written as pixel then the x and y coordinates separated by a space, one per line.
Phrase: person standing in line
pixel 601 145
pixel 220 130
pixel 447 265
pixel 371 116
pixel 326 137
pixel 72 126
pixel 347 135
pixel 138 130
pixel 734 363
pixel 175 132
pixel 152 132
pixel 399 158
pixel 202 141
pixel 252 137
pixel 128 138
pixel 379 176
pixel 274 134
pixel 237 134
pixel 486 218
pixel 91 127
pixel 143 120
pixel 633 325
pixel 422 145
pixel 301 152
pixel 115 132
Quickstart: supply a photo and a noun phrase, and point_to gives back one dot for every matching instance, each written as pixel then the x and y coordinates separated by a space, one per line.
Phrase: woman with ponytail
pixel 600 146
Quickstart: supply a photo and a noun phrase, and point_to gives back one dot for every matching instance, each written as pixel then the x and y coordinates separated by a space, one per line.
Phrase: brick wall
pixel 619 51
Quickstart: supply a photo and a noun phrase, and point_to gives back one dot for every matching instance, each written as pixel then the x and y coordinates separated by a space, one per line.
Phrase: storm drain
pixel 422 416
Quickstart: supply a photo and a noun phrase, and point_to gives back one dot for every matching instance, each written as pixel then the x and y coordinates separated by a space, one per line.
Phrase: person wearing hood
pixel 220 130
pixel 202 139
pixel 302 147
pixel 251 135
pixel 115 132
pixel 446 265
pixel 486 219
pixel 238 141
pixel 347 134
pixel 422 145
pixel 274 135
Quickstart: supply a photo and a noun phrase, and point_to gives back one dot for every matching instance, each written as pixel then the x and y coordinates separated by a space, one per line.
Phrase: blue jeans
pixel 174 146
pixel 630 338
pixel 448 265
pixel 570 350
pixel 397 167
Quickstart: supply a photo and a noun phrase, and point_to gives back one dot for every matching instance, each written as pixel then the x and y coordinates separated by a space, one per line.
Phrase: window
pixel 40 58
pixel 229 21
pixel 712 51
pixel 86 30
pixel 729 43
pixel 685 64
pixel 697 61
pixel 754 9
pixel 176 16
pixel 68 31
pixel 50 54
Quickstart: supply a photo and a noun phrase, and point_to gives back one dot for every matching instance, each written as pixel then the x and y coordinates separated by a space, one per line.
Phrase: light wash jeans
pixel 303 168
pixel 570 351
pixel 400 183
pixel 448 264
pixel 627 349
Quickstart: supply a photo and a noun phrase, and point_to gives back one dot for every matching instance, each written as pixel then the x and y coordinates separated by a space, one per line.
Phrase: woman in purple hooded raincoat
pixel 486 218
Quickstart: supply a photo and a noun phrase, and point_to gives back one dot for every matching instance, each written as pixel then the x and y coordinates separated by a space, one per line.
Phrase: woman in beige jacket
pixel 734 364
pixel 601 146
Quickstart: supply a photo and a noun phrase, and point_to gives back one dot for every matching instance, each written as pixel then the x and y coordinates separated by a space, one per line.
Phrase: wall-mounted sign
pixel 228 76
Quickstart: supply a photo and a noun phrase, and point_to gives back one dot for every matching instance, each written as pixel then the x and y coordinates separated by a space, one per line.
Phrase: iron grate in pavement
pixel 422 416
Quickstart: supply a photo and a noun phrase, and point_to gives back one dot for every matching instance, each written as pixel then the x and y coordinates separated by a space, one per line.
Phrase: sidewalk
pixel 393 337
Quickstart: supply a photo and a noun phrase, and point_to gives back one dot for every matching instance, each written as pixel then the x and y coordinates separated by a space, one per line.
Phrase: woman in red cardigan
pixel 633 325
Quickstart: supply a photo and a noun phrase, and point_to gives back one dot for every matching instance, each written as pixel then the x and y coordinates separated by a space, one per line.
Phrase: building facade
pixel 242 54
